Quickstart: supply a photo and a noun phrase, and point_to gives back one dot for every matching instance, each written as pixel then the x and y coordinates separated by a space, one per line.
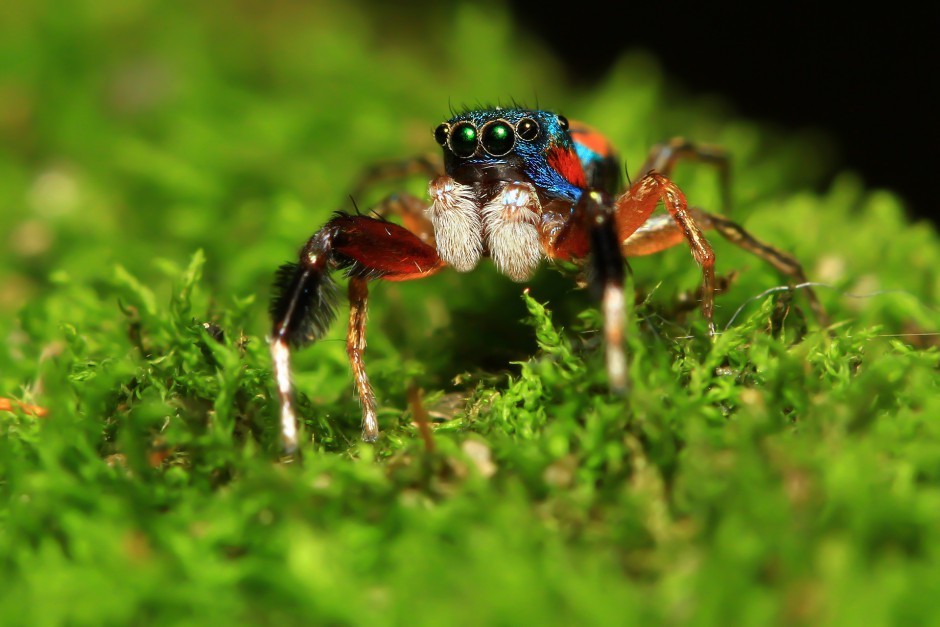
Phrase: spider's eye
pixel 441 132
pixel 563 122
pixel 463 139
pixel 498 138
pixel 527 129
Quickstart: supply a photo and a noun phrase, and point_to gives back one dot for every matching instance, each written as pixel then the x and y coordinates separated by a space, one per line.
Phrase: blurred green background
pixel 160 159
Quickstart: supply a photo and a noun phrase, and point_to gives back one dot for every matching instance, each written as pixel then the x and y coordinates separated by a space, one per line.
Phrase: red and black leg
pixel 304 301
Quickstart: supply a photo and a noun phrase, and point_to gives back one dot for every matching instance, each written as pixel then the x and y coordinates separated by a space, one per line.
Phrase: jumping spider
pixel 519 185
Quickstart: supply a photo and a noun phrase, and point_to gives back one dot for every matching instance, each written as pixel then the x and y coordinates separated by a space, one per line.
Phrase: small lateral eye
pixel 498 138
pixel 527 129
pixel 563 122
pixel 441 133
pixel 463 139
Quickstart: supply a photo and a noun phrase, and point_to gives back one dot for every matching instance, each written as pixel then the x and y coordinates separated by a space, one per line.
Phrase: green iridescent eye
pixel 463 139
pixel 498 138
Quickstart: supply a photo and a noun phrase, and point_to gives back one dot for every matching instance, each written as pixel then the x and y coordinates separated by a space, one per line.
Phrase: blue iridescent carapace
pixel 499 142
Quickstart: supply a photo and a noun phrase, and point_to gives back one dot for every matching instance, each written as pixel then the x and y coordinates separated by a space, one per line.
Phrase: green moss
pixel 159 160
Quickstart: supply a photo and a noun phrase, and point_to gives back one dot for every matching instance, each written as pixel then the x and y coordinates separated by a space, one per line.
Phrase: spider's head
pixel 489 146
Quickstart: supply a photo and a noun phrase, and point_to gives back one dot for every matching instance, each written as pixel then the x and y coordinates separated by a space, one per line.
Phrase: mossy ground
pixel 159 160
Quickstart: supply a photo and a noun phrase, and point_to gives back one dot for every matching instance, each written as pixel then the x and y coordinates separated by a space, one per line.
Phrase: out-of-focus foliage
pixel 158 160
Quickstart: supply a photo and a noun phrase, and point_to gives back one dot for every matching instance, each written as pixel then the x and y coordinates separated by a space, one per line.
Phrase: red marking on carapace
pixel 590 139
pixel 566 163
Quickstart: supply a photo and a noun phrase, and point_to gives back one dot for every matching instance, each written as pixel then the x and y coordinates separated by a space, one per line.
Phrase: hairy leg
pixel 355 346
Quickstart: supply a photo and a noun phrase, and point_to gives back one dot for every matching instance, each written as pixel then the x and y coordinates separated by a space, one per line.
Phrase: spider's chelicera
pixel 518 186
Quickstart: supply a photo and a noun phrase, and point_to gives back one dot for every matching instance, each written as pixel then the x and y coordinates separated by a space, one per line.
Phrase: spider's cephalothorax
pixel 503 145
pixel 510 176
pixel 518 185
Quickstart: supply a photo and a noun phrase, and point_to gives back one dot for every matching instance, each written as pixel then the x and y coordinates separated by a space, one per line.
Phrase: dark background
pixel 866 78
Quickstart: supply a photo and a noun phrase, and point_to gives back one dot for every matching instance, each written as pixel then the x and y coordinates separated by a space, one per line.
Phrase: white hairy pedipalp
pixel 455 215
pixel 512 236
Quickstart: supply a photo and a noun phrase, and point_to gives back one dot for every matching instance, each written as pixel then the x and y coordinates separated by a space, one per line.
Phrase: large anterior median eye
pixel 498 138
pixel 463 139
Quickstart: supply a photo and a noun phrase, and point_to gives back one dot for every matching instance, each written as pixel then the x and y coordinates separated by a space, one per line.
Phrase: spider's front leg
pixel 305 297
pixel 607 265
